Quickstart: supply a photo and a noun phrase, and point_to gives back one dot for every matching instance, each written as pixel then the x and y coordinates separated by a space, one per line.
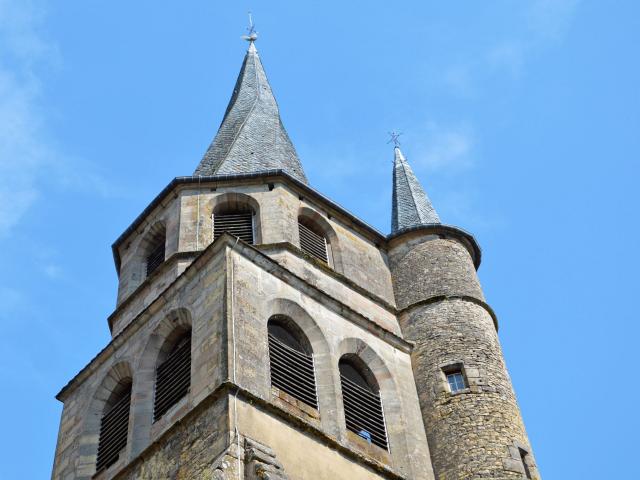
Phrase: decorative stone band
pixel 459 234
pixel 440 298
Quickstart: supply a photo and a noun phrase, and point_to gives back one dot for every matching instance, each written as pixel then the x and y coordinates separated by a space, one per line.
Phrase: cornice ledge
pixel 467 239
pixel 441 298
pixel 329 271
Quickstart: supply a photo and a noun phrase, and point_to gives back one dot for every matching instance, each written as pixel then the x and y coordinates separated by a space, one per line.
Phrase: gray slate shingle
pixel 411 206
pixel 251 136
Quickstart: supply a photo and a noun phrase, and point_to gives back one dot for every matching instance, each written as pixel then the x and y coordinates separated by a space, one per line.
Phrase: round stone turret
pixel 469 409
pixel 470 413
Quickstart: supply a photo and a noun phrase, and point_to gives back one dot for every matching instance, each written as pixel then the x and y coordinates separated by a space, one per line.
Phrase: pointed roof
pixel 251 137
pixel 411 206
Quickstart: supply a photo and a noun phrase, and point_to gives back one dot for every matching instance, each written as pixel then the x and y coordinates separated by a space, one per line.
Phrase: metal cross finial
pixel 395 138
pixel 252 35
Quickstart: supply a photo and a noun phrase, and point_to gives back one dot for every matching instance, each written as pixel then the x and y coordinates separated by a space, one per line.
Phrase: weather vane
pixel 252 35
pixel 395 136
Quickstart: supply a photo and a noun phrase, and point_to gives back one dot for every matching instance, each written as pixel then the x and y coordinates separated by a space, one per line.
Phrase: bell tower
pixel 255 333
pixel 262 331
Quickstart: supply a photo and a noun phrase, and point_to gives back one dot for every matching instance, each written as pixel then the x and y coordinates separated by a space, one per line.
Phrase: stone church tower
pixel 263 332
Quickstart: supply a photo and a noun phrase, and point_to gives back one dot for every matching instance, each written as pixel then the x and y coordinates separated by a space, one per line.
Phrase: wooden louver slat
pixel 292 372
pixel 363 412
pixel 237 224
pixel 114 427
pixel 173 378
pixel 155 258
pixel 312 243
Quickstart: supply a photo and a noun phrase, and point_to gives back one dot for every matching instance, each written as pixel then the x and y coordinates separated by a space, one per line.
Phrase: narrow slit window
pixel 155 257
pixel 291 365
pixel 173 377
pixel 456 381
pixel 313 243
pixel 525 463
pixel 114 427
pixel 362 405
pixel 238 224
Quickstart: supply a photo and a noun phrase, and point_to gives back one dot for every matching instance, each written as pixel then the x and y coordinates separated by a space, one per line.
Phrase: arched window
pixel 291 361
pixel 234 218
pixel 155 252
pixel 114 426
pixel 312 240
pixel 173 375
pixel 361 397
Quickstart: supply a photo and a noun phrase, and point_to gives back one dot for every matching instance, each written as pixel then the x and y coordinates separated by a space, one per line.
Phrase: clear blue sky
pixel 521 118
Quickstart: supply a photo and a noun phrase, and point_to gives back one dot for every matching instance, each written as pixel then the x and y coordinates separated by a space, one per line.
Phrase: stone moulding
pixel 442 298
pixel 459 234
pixel 158 272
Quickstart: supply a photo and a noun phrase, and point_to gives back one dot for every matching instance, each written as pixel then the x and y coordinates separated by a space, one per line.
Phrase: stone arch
pixel 148 240
pixel 297 337
pixel 172 326
pixel 236 201
pixel 322 356
pixel 358 350
pixel 307 216
pixel 118 376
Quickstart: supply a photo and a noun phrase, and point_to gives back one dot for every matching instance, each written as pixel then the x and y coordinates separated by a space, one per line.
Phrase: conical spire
pixel 251 137
pixel 411 206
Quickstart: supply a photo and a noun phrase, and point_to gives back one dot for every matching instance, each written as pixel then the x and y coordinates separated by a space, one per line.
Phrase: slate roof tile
pixel 251 136
pixel 411 207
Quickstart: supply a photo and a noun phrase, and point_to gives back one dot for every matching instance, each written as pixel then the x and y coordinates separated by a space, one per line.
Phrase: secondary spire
pixel 411 206
pixel 251 137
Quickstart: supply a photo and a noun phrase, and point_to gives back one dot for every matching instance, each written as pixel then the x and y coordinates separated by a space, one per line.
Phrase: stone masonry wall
pixel 470 432
pixel 188 222
pixel 189 451
pixel 259 294
pixel 443 267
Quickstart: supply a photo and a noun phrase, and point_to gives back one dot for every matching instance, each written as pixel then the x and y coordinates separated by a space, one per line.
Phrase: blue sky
pixel 521 118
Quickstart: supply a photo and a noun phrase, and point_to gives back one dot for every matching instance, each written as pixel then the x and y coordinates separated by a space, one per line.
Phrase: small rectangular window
pixel 456 381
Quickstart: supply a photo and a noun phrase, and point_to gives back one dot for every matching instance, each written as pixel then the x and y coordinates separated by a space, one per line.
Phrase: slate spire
pixel 411 206
pixel 251 137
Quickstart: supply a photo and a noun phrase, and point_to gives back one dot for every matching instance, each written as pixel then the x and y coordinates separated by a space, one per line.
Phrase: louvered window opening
pixel 312 243
pixel 173 378
pixel 292 371
pixel 114 427
pixel 155 258
pixel 237 224
pixel 363 412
